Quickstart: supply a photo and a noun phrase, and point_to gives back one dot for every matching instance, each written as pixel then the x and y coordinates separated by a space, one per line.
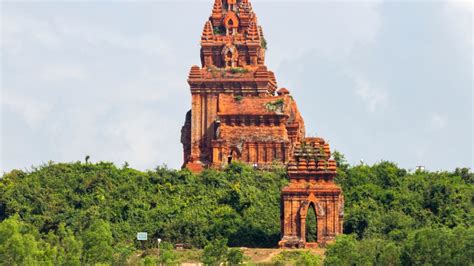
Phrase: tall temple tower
pixel 239 114
pixel 237 111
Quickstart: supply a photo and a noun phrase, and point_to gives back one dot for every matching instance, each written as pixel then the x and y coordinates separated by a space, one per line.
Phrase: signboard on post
pixel 142 236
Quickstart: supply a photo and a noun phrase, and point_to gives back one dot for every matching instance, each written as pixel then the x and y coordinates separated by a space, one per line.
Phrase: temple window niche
pixel 231 23
pixel 228 58
pixel 230 55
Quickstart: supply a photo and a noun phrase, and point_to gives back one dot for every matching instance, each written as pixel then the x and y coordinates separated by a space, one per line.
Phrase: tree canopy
pixel 73 213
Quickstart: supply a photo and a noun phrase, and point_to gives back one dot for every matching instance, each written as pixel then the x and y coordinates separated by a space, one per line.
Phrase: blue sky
pixel 380 80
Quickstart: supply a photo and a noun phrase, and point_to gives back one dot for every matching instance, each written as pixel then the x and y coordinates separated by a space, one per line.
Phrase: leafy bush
pixel 167 255
pixel 276 106
pixel 264 43
pixel 427 246
pixel 150 261
pixel 235 256
pixel 440 246
pixel 60 213
pixel 219 30
pixel 97 239
pixel 215 252
pixel 296 258
pixel 17 244
pixel 241 70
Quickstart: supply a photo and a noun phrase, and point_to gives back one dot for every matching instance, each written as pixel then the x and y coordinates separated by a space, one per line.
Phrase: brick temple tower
pixel 239 114
pixel 311 188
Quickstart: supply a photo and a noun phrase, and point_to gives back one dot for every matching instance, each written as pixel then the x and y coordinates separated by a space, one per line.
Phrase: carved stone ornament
pixel 320 209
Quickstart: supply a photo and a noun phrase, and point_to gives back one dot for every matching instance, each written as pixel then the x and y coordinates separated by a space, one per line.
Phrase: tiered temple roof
pixel 311 157
pixel 239 114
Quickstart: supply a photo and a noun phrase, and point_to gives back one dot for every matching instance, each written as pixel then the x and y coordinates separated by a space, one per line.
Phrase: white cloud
pixel 374 97
pixel 458 17
pixel 62 72
pixel 146 137
pixel 466 5
pixel 46 57
pixel 333 29
pixel 142 136
pixel 148 86
pixel 19 31
pixel 101 35
pixel 30 109
pixel 438 121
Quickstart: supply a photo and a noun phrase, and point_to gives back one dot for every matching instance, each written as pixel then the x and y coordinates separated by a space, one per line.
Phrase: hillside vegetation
pixel 76 213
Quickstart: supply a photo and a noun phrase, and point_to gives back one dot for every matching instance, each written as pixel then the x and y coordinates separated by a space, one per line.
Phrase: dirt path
pixel 260 255
pixel 254 255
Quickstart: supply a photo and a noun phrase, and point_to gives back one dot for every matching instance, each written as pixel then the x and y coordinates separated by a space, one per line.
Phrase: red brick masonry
pixel 239 114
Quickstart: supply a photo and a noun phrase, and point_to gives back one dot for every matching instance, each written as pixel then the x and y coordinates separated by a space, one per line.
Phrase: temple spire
pixel 217 15
pixel 253 34
pixel 217 9
pixel 245 13
pixel 207 33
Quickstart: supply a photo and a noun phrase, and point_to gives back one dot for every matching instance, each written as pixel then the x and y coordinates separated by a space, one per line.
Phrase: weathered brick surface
pixel 312 172
pixel 238 113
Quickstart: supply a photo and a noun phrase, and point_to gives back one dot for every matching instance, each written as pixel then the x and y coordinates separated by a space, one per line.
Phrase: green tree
pixel 122 251
pixel 384 205
pixel 308 259
pixel 215 252
pixel 167 255
pixel 389 255
pixel 439 246
pixel 150 261
pixel 17 246
pixel 297 257
pixel 235 256
pixel 69 249
pixel 342 252
pixel 98 243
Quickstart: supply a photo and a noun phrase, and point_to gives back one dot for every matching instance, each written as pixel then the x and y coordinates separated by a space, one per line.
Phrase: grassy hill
pixel 76 213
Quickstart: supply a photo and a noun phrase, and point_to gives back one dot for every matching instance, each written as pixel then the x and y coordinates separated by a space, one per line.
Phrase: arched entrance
pixel 311 192
pixel 311 234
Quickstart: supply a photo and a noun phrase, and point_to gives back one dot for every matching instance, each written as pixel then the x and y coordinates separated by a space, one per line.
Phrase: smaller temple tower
pixel 311 188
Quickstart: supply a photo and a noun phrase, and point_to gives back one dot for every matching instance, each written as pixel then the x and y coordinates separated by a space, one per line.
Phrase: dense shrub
pixel 305 258
pixel 61 212
pixel 215 253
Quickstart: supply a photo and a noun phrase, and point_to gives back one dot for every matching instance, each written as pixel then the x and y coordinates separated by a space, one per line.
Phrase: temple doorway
pixel 311 234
